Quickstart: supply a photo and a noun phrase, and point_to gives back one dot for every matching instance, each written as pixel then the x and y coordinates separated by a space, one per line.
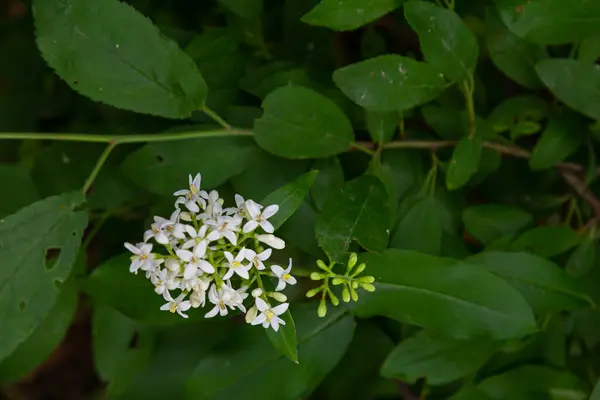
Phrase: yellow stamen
pixel 236 264
pixel 269 315
pixel 173 307
pixel 222 305
pixel 286 277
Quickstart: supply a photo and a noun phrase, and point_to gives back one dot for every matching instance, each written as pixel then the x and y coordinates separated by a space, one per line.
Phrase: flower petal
pixel 261 304
pixel 250 226
pixel 190 271
pixel 185 255
pixel 280 285
pixel 242 272
pixel 267 226
pixel 229 235
pixel 228 274
pixel 277 270
pixel 270 211
pixel 212 312
pixel 265 255
pixel 275 324
pixel 185 305
pixel 280 309
pixel 260 318
pixel 206 266
pixel 132 248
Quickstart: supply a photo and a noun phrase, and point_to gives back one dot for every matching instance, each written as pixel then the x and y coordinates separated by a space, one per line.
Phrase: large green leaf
pixel 301 123
pixel 22 190
pixel 489 222
pixel 446 42
pixel 348 14
pixel 511 54
pixel 573 82
pixel 163 168
pixel 447 296
pixel 421 227
pixel 249 368
pixel 329 180
pixel 547 241
pixel 107 51
pixel 381 125
pixel 464 162
pixel 358 212
pixel 389 83
pixel 30 266
pixel 437 358
pixel 289 197
pixel 560 139
pixel 545 286
pixel 550 21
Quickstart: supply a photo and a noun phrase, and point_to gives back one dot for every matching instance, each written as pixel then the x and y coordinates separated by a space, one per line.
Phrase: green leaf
pixel 133 295
pixel 289 197
pixel 249 368
pixel 389 83
pixel 573 82
pixel 301 123
pixel 560 139
pixel 489 222
pixel 438 359
pixel 465 160
pixel 532 382
pixel 112 333
pixel 358 212
pixel 421 227
pixel 329 180
pixel 382 126
pixel 547 241
pixel 284 339
pixel 44 339
pixel 408 282
pixel 109 52
pixel 29 239
pixel 583 259
pixel 446 42
pixel 445 122
pixel 299 230
pixel 596 393
pixel 589 49
pixel 549 21
pixel 22 190
pixel 511 54
pixel 348 14
pixel 542 283
pixel 163 168
pixel 247 9
pixel 406 167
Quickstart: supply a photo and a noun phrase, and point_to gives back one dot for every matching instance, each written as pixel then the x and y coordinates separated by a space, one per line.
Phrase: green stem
pixel 103 157
pixel 121 139
pixel 363 149
pixel 215 117
pixel 467 87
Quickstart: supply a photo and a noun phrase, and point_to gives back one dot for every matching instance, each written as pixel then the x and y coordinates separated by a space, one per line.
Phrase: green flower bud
pixel 353 294
pixel 313 292
pixel 359 269
pixel 337 281
pixel 368 287
pixel 316 276
pixel 280 297
pixel 322 265
pixel 345 294
pixel 354 285
pixel 366 279
pixel 322 310
pixel 352 260
pixel 334 300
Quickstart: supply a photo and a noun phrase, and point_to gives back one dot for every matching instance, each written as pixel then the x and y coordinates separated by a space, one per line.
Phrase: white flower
pixel 196 236
pixel 177 305
pixel 225 227
pixel 214 205
pixel 220 298
pixel 161 281
pixel 235 264
pixel 198 296
pixel 271 240
pixel 257 292
pixel 269 316
pixel 257 259
pixel 142 258
pixel 173 227
pixel 172 264
pixel 194 260
pixel 240 207
pixel 283 275
pixel 191 197
pixel 258 218
pixel 238 298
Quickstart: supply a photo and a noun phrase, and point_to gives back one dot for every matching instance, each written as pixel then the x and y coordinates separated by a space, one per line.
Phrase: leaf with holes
pixel 109 52
pixel 163 168
pixel 38 247
pixel 358 212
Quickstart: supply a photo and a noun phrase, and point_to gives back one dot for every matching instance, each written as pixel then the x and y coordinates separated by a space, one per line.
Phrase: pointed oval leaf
pixel 301 123
pixel 348 14
pixel 389 83
pixel 382 126
pixel 284 339
pixel 436 358
pixel 289 197
pixel 447 296
pixel 329 180
pixel 545 286
pixel 560 139
pixel 358 212
pixel 573 82
pixel 547 241
pixel 109 52
pixel 465 160
pixel 583 259
pixel 421 227
pixel 446 42
pixel 489 222
pixel 29 240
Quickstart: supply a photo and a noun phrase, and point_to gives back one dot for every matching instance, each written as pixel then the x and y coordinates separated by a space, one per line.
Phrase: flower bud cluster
pixel 350 281
pixel 206 251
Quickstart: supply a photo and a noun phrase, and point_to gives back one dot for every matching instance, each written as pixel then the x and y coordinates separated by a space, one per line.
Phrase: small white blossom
pixel 161 282
pixel 173 264
pixel 225 227
pixel 272 240
pixel 194 260
pixel 220 298
pixel 283 275
pixel 257 259
pixel 178 305
pixel 258 217
pixel 257 292
pixel 196 236
pixel 237 301
pixel 240 207
pixel 191 197
pixel 235 265
pixel 269 316
pixel 142 257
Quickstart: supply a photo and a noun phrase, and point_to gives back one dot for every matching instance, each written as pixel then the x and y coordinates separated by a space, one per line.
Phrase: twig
pixel 583 191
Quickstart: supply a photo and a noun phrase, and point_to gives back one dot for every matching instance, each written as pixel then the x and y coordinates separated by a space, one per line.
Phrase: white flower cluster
pixel 206 247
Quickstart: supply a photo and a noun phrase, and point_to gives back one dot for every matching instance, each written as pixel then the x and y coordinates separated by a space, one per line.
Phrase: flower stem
pixel 103 157
pixel 215 117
